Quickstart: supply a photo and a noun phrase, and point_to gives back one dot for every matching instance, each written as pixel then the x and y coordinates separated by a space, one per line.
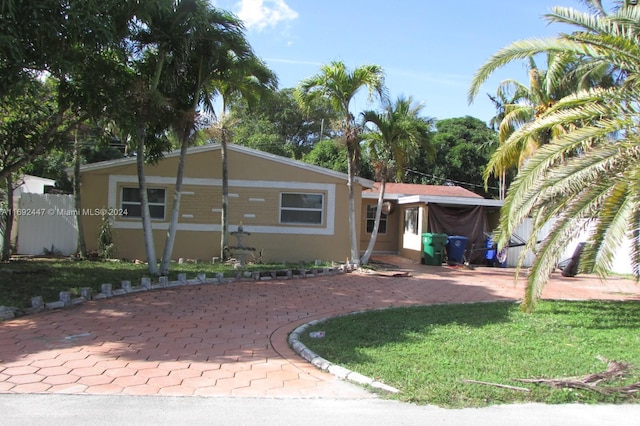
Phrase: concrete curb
pixel 325 365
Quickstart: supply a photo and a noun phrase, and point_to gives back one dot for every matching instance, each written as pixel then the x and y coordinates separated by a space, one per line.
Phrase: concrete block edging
pixel 342 373
pixel 38 305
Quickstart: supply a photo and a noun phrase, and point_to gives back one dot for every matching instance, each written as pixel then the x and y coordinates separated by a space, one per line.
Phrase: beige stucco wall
pixel 387 242
pixel 255 187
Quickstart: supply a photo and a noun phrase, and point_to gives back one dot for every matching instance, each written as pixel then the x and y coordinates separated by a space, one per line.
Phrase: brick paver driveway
pixel 230 339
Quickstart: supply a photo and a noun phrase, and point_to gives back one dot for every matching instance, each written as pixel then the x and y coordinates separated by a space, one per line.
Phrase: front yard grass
pixel 430 353
pixel 22 279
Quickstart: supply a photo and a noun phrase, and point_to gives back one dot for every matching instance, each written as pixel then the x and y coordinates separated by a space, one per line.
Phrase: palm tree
pixel 214 37
pixel 501 101
pixel 248 78
pixel 517 105
pixel 589 172
pixel 399 134
pixel 565 74
pixel 158 33
pixel 339 85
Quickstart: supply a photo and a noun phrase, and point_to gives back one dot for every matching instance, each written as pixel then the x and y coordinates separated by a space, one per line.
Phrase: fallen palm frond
pixel 594 382
pixel 498 385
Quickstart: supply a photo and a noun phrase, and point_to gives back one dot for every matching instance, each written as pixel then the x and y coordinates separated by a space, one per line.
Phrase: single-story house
pixel 410 210
pixel 292 211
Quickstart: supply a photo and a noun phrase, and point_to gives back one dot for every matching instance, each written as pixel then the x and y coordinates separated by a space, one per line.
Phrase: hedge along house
pixel 410 210
pixel 291 210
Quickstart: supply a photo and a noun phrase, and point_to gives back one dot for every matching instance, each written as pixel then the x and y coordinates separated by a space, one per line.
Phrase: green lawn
pixel 429 352
pixel 20 280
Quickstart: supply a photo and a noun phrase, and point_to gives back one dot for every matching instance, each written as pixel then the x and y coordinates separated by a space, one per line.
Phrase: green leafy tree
pixel 398 134
pixel 279 125
pixel 463 147
pixel 339 85
pixel 24 120
pixel 329 155
pixel 50 38
pixel 260 133
pixel 589 173
pixel 79 48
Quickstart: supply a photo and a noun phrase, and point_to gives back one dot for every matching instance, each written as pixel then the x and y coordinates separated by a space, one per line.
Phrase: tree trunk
pixel 144 207
pixel 147 228
pixel 177 194
pixel 82 246
pixel 224 216
pixel 355 252
pixel 376 225
pixel 8 219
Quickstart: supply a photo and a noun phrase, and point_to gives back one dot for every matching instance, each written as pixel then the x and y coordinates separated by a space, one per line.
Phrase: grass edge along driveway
pixel 432 352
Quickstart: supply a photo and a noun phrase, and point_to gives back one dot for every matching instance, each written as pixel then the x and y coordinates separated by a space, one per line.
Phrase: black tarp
pixel 466 221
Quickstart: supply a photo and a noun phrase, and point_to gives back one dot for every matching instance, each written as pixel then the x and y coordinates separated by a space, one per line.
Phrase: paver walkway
pixel 230 339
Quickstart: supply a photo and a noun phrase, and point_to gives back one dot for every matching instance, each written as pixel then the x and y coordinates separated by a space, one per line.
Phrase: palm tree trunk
pixel 147 228
pixel 353 236
pixel 224 215
pixel 177 194
pixel 82 246
pixel 376 225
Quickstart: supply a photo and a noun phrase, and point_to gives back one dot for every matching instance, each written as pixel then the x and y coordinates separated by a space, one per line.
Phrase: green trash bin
pixel 433 248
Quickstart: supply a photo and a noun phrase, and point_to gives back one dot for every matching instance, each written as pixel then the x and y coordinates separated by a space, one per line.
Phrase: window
pixel 371 219
pixel 131 202
pixel 411 221
pixel 301 208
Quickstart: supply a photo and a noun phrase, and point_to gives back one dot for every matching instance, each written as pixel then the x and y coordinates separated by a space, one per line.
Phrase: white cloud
pixel 259 14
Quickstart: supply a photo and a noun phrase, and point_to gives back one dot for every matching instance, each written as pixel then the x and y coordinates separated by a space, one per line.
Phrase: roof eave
pixel 438 199
pixel 366 183
pixel 460 201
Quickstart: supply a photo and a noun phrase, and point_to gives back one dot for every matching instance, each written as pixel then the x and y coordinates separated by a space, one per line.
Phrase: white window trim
pixel 328 188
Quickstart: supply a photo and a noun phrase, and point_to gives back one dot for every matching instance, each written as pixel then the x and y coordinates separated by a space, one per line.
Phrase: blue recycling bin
pixel 455 249
pixel 493 257
pixel 490 255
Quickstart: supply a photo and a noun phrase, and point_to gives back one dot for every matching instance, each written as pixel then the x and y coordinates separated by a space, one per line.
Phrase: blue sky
pixel 429 49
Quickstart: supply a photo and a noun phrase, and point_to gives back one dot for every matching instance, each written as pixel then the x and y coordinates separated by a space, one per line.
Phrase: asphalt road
pixel 76 410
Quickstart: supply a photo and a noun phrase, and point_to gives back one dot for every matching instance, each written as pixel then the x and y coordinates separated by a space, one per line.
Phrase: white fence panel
pixel 621 262
pixel 47 221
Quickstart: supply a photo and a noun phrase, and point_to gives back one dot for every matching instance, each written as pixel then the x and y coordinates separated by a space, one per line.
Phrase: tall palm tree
pixel 248 78
pixel 214 37
pixel 501 101
pixel 564 75
pixel 158 33
pixel 517 105
pixel 339 85
pixel 590 172
pixel 399 133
